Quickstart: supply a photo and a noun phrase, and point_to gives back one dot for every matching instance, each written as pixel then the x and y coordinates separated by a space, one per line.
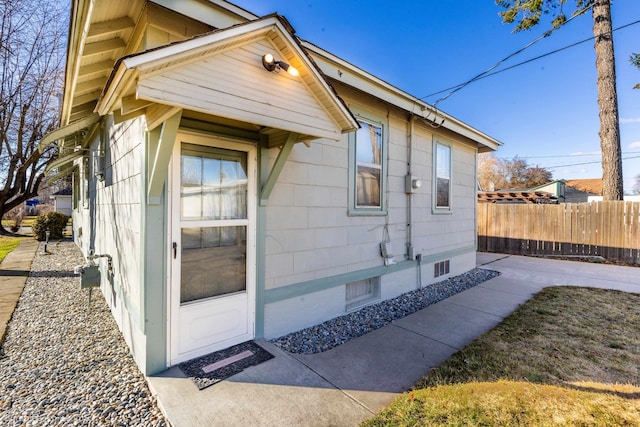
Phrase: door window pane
pixel 213 262
pixel 213 186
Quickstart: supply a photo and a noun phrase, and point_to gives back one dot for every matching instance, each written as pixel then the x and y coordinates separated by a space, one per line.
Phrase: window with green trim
pixel 76 188
pixel 442 178
pixel 367 150
pixel 85 182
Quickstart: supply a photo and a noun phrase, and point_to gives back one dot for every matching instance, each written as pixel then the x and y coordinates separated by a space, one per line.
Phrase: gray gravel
pixel 335 332
pixel 65 364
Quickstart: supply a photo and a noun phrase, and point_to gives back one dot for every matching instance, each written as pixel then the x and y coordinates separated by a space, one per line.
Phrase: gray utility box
pixel 89 276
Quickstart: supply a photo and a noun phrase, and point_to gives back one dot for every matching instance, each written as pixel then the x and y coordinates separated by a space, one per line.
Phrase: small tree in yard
pixel 501 174
pixel 32 39
pixel 54 222
pixel 527 14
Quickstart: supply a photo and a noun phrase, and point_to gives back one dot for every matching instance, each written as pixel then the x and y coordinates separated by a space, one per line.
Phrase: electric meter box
pixel 90 277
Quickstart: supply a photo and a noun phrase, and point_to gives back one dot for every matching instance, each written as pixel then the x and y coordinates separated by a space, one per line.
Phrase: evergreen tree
pixel 526 14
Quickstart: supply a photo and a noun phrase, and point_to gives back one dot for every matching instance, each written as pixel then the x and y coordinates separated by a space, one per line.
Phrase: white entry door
pixel 212 301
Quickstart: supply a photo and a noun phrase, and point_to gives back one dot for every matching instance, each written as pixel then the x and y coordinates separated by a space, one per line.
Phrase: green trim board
pixel 159 148
pixel 153 253
pixel 281 160
pixel 261 240
pixel 311 286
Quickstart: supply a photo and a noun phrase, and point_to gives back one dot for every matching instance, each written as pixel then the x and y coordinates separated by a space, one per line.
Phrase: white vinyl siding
pixel 242 90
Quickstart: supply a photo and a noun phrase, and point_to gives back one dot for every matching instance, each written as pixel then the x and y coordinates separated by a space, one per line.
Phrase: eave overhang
pixel 69 131
pixel 342 71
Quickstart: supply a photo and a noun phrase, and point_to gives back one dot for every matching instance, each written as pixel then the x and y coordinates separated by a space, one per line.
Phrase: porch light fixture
pixel 270 64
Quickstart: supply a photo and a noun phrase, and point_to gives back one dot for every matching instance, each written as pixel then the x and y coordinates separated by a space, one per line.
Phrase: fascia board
pixel 189 7
pixel 116 86
pixel 78 30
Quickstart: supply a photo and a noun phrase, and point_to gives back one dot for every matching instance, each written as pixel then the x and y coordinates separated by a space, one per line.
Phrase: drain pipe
pixel 409 187
pixel 412 184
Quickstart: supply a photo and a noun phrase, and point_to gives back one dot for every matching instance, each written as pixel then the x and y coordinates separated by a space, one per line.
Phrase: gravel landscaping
pixel 335 332
pixel 65 364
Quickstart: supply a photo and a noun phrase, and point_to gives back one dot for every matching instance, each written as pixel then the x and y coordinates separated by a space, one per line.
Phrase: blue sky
pixel 545 111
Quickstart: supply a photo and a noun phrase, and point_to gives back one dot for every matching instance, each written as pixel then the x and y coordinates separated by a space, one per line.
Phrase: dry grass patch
pixel 569 356
pixel 508 403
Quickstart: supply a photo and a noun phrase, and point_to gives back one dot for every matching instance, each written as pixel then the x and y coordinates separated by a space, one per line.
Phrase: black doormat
pixel 215 367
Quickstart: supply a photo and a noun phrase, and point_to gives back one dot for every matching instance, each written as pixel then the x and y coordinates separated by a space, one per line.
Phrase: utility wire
pixel 461 85
pixel 488 72
pixel 586 163
pixel 572 155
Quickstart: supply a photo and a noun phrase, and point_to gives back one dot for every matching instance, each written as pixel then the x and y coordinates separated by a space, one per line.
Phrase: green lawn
pixel 7 244
pixel 569 356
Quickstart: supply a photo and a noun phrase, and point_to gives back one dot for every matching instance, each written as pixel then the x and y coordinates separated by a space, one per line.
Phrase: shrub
pixel 16 216
pixel 55 222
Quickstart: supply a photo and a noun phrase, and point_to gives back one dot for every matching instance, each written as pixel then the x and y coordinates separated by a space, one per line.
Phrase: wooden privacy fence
pixel 607 229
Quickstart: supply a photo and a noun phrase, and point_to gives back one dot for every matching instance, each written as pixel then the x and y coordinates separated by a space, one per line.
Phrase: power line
pixel 488 73
pixel 572 155
pixel 586 163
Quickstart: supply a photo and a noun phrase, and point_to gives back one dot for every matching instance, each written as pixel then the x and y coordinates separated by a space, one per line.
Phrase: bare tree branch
pixel 32 43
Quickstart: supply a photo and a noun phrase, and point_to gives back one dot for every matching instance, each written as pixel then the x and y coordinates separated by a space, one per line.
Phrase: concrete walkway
pixel 14 271
pixel 346 385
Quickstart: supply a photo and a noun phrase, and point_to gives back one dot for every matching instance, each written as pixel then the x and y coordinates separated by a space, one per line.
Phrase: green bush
pixel 55 222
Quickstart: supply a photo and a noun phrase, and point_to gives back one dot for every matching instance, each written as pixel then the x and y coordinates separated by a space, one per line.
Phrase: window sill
pixel 441 211
pixel 366 212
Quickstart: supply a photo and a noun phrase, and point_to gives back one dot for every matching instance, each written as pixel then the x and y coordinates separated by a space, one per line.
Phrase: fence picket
pixel 608 229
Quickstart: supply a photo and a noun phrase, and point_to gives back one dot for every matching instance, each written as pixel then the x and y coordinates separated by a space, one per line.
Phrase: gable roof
pixel 225 66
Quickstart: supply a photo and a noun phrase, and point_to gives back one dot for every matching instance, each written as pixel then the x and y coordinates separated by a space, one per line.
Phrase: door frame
pixel 173 209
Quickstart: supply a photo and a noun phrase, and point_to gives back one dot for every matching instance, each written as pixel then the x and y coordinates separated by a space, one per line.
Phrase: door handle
pixel 175 250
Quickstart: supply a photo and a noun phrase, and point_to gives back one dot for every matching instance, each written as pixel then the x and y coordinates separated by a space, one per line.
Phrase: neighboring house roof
pixel 592 185
pixel 63 192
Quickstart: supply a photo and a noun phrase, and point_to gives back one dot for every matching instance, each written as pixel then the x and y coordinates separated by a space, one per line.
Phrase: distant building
pixel 582 190
pixel 62 201
pixel 557 190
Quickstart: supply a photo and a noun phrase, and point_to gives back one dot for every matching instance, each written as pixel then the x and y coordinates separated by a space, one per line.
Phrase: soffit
pixel 102 32
pixel 99 34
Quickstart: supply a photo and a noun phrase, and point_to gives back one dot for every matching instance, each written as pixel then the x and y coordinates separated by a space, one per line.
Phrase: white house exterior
pixel 240 203
pixel 62 202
